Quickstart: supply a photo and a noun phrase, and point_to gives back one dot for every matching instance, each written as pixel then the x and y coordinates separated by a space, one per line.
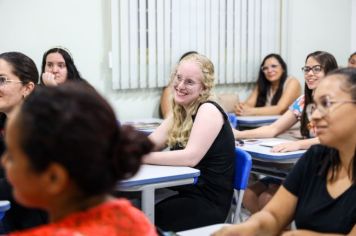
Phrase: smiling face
pixel 11 92
pixel 56 65
pixel 272 70
pixel 336 126
pixel 187 83
pixel 312 79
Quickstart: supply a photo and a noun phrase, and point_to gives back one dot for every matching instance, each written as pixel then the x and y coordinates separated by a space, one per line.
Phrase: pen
pixel 240 142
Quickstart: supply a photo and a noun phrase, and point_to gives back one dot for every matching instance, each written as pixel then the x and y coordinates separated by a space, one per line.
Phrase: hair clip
pixel 62 48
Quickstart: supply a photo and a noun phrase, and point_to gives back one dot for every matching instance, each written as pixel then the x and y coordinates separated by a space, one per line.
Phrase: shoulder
pixel 211 107
pixel 291 81
pixel 298 103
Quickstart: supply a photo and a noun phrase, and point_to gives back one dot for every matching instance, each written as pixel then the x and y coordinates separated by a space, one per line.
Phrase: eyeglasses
pixel 4 80
pixel 265 68
pixel 187 82
pixel 324 106
pixel 316 69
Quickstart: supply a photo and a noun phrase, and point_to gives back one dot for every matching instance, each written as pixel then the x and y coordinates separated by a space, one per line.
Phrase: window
pixel 148 37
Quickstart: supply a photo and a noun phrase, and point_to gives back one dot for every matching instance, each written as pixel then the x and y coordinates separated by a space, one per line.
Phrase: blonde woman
pixel 198 135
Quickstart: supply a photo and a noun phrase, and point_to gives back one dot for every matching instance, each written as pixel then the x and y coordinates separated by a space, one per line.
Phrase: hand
pixel 49 79
pixel 236 133
pixel 286 147
pixel 239 109
pixel 236 230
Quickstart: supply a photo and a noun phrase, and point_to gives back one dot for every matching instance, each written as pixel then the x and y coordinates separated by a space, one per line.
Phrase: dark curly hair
pixel 74 126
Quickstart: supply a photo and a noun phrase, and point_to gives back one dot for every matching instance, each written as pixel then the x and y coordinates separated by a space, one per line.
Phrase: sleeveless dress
pixel 208 201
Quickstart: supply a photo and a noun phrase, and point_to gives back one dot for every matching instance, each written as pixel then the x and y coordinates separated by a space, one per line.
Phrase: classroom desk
pixel 152 177
pixel 270 163
pixel 255 121
pixel 202 231
pixel 147 125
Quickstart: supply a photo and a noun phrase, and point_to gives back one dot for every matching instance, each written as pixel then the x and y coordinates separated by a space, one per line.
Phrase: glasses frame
pixel 307 69
pixel 188 83
pixel 7 80
pixel 312 107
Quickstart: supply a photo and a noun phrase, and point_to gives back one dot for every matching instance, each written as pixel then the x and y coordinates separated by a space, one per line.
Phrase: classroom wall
pixel 84 28
pixel 353 27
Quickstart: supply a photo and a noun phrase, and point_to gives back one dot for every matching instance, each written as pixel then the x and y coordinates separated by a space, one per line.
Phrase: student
pixel 317 65
pixel 165 101
pixel 58 67
pixel 352 60
pixel 199 135
pixel 65 155
pixel 320 192
pixel 275 91
pixel 18 77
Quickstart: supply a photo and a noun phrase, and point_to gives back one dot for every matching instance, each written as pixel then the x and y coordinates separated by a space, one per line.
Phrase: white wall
pixel 83 27
pixel 318 25
pixel 353 27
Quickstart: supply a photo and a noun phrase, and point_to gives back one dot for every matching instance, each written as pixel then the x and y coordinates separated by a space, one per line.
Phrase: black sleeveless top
pixel 215 182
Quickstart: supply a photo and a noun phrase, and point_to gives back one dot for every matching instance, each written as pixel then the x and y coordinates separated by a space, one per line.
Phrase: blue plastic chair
pixel 232 119
pixel 4 206
pixel 243 164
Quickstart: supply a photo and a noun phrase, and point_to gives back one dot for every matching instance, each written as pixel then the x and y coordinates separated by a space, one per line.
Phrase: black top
pixel 316 209
pixel 215 182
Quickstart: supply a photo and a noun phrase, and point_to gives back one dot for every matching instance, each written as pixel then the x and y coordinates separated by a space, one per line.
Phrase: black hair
pixel 328 63
pixel 73 73
pixel 22 66
pixel 353 54
pixel 332 156
pixel 263 85
pixel 71 124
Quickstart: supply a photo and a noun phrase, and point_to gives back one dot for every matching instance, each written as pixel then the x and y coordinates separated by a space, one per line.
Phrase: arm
pixel 160 135
pixel 286 121
pixel 295 145
pixel 240 108
pixel 165 105
pixel 313 233
pixel 206 127
pixel 290 93
pixel 271 220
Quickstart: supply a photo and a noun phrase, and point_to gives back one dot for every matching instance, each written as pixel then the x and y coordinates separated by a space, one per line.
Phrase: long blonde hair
pixel 180 130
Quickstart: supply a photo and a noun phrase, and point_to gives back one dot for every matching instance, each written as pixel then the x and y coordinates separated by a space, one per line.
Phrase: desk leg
pixel 148 203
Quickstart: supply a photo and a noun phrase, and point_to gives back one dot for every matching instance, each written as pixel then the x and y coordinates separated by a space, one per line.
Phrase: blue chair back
pixel 4 206
pixel 243 164
pixel 233 119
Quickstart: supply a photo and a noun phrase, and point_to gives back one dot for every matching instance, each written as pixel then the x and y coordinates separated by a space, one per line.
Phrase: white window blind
pixel 148 37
